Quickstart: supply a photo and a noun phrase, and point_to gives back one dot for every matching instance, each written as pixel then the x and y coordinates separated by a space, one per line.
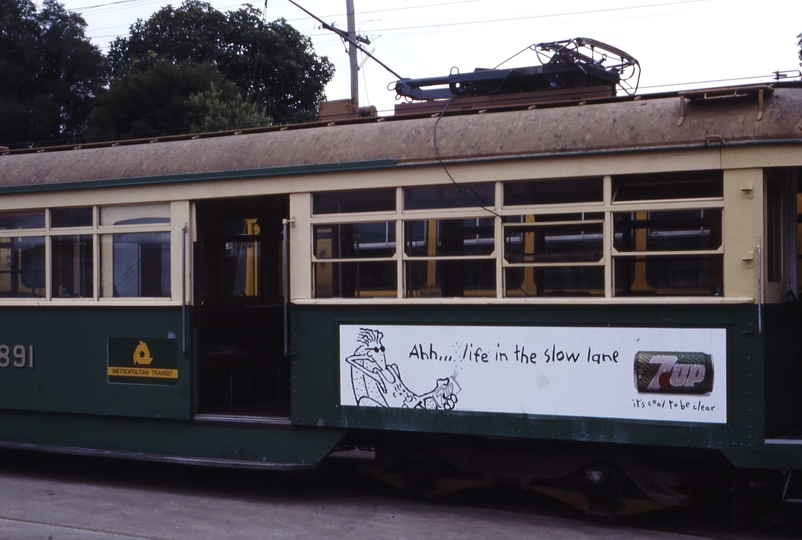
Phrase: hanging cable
pixel 476 199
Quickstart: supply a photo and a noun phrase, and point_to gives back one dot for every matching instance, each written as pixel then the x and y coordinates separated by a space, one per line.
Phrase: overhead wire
pixel 127 3
pixel 711 81
pixel 121 4
pixel 541 16
pixel 406 30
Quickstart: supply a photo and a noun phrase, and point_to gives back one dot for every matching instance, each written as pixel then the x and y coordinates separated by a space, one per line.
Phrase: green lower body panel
pixel 168 440
pixel 682 376
pixel 551 372
pixel 80 360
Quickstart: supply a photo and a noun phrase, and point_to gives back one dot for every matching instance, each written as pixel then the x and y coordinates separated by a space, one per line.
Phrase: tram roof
pixel 693 119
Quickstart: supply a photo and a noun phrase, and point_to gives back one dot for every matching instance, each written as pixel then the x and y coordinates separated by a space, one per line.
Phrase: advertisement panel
pixel 656 374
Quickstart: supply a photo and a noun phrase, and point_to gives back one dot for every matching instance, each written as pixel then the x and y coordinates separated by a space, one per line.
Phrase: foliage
pixel 158 101
pixel 272 64
pixel 49 72
pixel 211 111
pixel 800 45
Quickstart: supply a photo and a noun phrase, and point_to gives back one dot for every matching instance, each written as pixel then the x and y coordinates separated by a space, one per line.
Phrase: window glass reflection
pixel 72 266
pixel 22 267
pixel 140 265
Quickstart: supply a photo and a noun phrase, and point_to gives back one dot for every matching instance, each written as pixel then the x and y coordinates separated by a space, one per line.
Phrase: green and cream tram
pixel 528 292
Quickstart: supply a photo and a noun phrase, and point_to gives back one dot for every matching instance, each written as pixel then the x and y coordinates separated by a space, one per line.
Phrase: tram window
pixel 22 267
pixel 354 240
pixel 24 219
pixel 140 265
pixel 449 196
pixel 135 215
pixel 556 250
pixel 242 267
pixel 135 265
pixel 355 279
pixel 449 237
pixel 665 186
pixel 672 230
pixel 242 256
pixel 658 246
pixel 346 202
pixel 668 231
pixel 549 218
pixel 685 275
pixel 574 190
pixel 337 278
pixel 554 243
pixel 242 227
pixel 446 244
pixel 525 281
pixel 72 266
pixel 62 262
pixel 71 217
pixel 451 278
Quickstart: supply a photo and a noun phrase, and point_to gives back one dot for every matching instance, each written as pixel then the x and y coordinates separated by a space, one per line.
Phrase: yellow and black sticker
pixel 143 361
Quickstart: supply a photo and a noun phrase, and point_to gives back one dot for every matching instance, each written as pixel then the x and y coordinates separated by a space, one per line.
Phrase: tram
pixel 594 296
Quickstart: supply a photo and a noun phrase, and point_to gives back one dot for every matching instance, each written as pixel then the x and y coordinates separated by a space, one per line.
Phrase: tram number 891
pixel 16 355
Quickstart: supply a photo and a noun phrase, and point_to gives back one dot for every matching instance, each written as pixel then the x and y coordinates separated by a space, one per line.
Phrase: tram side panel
pixel 783 370
pixel 88 388
pixel 558 372
pixel 685 374
pixel 100 361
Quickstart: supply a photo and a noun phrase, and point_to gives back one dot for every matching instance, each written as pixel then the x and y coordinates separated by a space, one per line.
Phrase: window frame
pixel 604 209
pixel 178 212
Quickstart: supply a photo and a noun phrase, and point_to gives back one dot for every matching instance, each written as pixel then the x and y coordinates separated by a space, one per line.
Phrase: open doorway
pixel 242 369
pixel 783 309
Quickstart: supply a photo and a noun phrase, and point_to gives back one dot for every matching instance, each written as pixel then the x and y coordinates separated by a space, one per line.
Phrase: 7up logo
pixel 675 373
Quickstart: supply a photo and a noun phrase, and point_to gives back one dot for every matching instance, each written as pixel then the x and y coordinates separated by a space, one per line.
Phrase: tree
pixel 212 111
pixel 169 99
pixel 800 45
pixel 272 64
pixel 49 72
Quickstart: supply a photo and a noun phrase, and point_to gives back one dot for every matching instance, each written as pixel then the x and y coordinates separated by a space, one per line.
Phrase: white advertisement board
pixel 658 374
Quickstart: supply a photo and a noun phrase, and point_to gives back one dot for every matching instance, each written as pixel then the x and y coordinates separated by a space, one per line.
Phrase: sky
pixel 679 44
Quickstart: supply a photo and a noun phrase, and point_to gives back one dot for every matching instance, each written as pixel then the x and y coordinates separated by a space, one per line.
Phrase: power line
pixel 125 3
pixel 408 8
pixel 544 16
pixel 712 81
pixel 97 6
pixel 411 29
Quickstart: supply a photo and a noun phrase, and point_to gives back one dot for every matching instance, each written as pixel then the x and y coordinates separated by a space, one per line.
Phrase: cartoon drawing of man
pixel 378 384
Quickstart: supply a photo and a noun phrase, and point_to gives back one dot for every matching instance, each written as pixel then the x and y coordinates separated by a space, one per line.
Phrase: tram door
pixel 782 320
pixel 242 369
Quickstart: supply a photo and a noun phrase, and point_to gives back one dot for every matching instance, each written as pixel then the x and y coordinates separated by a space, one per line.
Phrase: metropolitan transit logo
pixel 142 354
pixel 143 361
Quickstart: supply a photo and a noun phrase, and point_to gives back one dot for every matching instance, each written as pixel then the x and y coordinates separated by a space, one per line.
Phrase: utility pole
pixel 354 41
pixel 352 48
